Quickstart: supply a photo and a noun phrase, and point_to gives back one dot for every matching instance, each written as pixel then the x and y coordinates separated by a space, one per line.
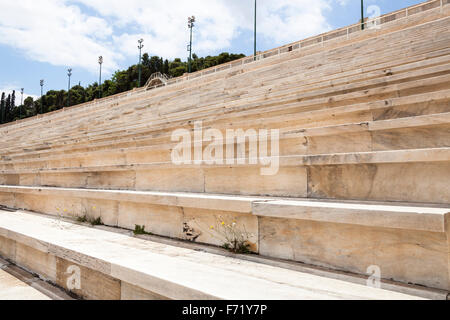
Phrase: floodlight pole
pixel 362 14
pixel 191 24
pixel 21 103
pixel 100 62
pixel 42 101
pixel 254 43
pixel 69 74
pixel 140 46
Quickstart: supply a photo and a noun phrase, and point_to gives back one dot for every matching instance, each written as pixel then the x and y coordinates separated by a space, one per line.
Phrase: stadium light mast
pixel 362 14
pixel 42 93
pixel 254 48
pixel 140 46
pixel 100 62
pixel 191 24
pixel 21 103
pixel 69 74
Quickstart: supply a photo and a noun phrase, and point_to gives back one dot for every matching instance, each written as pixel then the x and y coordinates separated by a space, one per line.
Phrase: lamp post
pixel 69 74
pixel 362 14
pixel 140 46
pixel 100 62
pixel 21 103
pixel 254 48
pixel 191 24
pixel 42 93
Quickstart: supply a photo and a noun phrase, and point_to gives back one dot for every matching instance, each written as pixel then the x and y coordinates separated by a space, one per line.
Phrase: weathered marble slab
pixel 409 256
pixel 372 215
pixel 415 182
pixel 168 271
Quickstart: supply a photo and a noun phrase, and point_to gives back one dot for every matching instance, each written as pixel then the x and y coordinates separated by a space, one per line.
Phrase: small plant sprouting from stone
pixel 94 222
pixel 61 213
pixel 140 230
pixel 82 219
pixel 97 222
pixel 235 239
pixel 237 247
pixel 85 219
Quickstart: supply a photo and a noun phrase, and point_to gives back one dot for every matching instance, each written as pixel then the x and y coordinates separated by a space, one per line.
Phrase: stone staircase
pixel 363 179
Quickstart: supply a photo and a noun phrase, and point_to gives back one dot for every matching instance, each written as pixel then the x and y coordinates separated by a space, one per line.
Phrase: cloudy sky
pixel 39 39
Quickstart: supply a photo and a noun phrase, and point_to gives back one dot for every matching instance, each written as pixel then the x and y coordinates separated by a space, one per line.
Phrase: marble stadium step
pixel 410 175
pixel 29 122
pixel 376 214
pixel 111 134
pixel 416 122
pixel 90 136
pixel 113 265
pixel 369 214
pixel 363 179
pixel 19 284
pixel 342 235
pixel 351 158
pixel 177 199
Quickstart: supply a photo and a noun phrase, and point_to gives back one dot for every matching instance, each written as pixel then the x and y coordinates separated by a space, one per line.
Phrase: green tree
pixel 28 106
pixel 2 108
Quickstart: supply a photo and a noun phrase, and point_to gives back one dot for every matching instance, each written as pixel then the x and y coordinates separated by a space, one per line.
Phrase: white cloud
pixel 54 32
pixel 62 32
pixel 163 24
pixel 287 21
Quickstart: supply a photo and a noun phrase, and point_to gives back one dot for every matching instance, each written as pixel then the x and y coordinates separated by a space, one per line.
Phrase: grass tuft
pixel 94 222
pixel 140 230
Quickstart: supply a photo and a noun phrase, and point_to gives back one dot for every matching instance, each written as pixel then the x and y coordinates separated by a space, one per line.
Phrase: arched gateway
pixel 156 80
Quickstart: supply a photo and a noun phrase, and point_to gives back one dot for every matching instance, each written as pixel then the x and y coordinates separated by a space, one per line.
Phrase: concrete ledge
pixel 168 271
